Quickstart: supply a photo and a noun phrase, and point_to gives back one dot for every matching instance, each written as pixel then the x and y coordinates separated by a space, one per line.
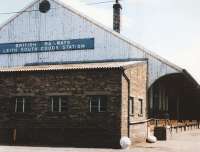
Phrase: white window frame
pixel 16 103
pixel 99 104
pixel 60 104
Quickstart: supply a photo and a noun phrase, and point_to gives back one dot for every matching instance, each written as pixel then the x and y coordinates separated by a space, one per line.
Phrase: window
pixel 131 105
pixel 22 104
pixel 141 107
pixel 57 104
pixel 98 104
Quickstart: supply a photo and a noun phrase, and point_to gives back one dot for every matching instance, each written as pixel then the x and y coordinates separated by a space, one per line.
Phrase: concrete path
pixel 183 142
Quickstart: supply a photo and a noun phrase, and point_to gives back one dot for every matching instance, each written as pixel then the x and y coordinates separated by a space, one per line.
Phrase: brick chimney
pixel 117 16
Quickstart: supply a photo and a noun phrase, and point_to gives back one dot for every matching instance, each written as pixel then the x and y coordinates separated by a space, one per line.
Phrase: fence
pixel 174 125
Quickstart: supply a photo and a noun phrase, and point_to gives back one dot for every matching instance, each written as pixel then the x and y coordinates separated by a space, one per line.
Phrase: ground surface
pixel 183 142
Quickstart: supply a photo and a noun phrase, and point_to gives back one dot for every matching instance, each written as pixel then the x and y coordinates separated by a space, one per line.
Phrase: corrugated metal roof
pixel 82 66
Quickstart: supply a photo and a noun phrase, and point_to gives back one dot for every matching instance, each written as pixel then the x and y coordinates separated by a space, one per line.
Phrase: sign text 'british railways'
pixel 47 46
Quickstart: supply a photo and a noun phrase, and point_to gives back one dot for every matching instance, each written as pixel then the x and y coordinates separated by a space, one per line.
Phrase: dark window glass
pixel 103 104
pixel 98 104
pixel 64 103
pixel 22 104
pixel 131 102
pixel 58 104
pixel 141 106
pixel 28 105
pixel 19 107
pixel 94 104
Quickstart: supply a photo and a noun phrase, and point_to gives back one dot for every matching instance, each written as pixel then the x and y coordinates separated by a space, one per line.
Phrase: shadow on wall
pixel 56 137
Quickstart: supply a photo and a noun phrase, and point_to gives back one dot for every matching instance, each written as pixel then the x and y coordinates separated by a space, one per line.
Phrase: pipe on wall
pixel 128 118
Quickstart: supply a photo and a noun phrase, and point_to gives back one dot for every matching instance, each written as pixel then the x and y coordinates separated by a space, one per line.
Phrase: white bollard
pixel 125 142
pixel 151 139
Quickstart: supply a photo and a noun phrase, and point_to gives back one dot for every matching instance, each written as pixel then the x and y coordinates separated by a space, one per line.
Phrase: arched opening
pixel 174 96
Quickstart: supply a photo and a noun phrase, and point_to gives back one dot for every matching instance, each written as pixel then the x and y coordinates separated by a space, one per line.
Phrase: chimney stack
pixel 117 16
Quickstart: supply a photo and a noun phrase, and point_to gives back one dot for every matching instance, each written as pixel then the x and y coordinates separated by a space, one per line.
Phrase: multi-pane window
pixel 57 104
pixel 98 103
pixel 22 104
pixel 141 106
pixel 131 105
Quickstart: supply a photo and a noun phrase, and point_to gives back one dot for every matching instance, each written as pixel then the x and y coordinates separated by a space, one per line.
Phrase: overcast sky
pixel 171 28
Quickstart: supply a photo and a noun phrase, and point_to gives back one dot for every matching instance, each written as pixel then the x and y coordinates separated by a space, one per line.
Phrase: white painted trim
pixel 52 104
pixel 23 104
pixel 16 105
pixel 99 104
pixel 90 105
pixel 60 104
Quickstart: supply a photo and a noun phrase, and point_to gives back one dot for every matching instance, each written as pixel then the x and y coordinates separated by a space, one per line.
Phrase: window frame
pixel 99 106
pixel 141 104
pixel 23 104
pixel 59 104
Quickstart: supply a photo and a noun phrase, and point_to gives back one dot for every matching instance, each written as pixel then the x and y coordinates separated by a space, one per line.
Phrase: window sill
pixel 105 112
pixel 101 113
pixel 56 113
pixel 21 113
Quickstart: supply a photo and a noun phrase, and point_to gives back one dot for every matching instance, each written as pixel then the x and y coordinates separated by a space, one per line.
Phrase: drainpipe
pixel 128 118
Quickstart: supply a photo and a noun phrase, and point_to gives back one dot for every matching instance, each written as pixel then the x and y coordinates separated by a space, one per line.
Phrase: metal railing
pixel 173 124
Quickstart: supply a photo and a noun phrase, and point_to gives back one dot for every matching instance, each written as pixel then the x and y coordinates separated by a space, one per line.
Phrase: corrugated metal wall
pixel 62 23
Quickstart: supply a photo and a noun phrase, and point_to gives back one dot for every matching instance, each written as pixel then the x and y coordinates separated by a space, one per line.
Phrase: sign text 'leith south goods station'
pixel 47 46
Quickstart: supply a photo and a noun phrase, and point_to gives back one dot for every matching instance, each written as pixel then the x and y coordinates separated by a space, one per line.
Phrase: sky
pixel 170 28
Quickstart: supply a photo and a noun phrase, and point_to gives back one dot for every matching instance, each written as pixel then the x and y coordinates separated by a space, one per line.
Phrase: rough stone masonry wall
pixel 73 126
pixel 138 82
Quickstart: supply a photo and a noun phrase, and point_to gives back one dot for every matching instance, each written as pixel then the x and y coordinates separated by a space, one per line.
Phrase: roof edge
pixel 190 77
pixel 78 66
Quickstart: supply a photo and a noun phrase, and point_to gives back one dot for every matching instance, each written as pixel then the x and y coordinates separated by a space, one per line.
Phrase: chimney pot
pixel 117 16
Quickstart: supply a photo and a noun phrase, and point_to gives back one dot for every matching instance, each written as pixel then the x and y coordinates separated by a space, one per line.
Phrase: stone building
pixel 67 80
pixel 73 104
